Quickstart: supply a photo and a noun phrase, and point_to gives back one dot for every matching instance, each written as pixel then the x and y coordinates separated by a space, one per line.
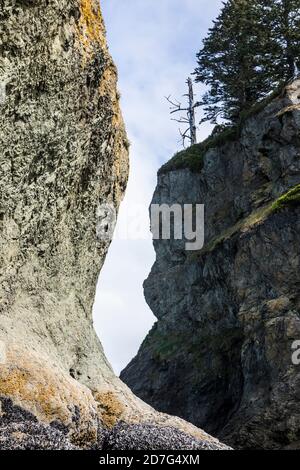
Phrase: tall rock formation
pixel 220 354
pixel 63 153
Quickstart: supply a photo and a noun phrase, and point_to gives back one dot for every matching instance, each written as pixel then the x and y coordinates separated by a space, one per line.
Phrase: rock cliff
pixel 220 354
pixel 63 153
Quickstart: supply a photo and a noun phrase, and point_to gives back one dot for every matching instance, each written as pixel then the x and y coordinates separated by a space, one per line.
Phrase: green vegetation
pixel 163 344
pixel 165 347
pixel 193 157
pixel 168 345
pixel 252 47
pixel 289 199
pixel 262 104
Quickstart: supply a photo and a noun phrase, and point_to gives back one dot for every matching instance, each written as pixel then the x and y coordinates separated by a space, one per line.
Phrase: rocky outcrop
pixel 63 153
pixel 220 354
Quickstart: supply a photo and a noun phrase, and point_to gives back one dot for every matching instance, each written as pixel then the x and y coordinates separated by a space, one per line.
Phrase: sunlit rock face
pixel 63 153
pixel 220 354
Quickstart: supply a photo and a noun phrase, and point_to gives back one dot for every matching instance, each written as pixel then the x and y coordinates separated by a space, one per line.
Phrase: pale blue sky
pixel 153 44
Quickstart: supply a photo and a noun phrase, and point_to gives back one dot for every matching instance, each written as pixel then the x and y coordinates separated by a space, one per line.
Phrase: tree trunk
pixel 193 128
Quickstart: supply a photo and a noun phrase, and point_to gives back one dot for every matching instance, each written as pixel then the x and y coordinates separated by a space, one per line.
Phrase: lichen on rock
pixel 63 153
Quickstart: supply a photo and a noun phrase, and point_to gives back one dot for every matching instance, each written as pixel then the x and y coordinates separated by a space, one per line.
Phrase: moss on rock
pixel 289 199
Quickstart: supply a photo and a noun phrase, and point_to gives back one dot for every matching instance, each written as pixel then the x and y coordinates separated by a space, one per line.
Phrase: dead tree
pixel 190 132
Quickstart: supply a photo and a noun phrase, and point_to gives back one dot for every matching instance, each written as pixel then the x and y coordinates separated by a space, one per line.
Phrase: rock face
pixel 63 153
pixel 220 354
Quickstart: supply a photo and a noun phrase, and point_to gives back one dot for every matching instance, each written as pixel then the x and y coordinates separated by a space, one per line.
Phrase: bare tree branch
pixel 184 136
pixel 182 120
pixel 176 107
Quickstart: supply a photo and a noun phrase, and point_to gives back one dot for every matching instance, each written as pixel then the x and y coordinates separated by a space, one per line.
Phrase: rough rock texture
pixel 20 430
pixel 220 353
pixel 63 153
pixel 148 437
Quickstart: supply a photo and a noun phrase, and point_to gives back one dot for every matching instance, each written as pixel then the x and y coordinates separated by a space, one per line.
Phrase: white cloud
pixel 154 46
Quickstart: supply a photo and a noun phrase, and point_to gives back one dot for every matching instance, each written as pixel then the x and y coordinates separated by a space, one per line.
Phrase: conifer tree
pixel 252 47
pixel 285 29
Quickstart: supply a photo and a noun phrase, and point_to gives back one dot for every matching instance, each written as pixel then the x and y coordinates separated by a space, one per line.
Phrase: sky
pixel 154 45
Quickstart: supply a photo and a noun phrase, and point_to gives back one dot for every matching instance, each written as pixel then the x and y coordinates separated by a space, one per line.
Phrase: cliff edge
pixel 220 354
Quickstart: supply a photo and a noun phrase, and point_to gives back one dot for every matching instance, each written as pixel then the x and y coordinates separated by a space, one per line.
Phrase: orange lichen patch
pixel 108 87
pixel 91 29
pixel 23 385
pixel 47 392
pixel 111 409
pixel 108 84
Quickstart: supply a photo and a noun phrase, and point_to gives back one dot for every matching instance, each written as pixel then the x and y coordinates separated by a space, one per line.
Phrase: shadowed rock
pixel 220 354
pixel 63 154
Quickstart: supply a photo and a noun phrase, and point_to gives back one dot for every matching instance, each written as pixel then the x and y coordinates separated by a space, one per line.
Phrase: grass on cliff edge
pixel 192 158
pixel 291 198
